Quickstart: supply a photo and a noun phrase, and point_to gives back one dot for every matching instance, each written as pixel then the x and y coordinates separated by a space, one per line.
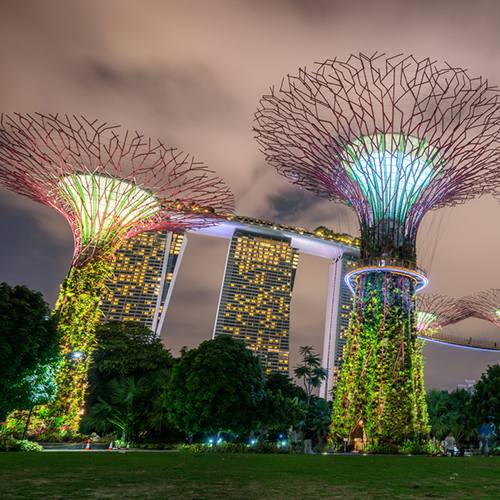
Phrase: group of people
pixel 485 433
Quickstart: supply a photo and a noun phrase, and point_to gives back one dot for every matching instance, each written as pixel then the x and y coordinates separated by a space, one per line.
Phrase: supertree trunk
pixel 78 312
pixel 382 385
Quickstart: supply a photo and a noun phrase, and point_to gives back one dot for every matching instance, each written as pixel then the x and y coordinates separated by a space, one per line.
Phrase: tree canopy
pixel 216 387
pixel 29 339
pixel 448 412
pixel 128 348
pixel 124 349
pixel 485 401
pixel 278 381
pixel 276 411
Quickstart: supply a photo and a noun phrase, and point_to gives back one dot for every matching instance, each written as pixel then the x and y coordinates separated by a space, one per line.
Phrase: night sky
pixel 191 73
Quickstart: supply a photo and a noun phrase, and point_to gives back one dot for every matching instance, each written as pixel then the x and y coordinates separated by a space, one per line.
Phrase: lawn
pixel 183 475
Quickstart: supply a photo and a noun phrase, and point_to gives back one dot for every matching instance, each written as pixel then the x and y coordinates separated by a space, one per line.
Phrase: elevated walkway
pixel 462 342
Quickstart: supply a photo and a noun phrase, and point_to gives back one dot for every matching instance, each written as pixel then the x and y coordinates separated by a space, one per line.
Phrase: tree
pixel 318 418
pixel 448 412
pixel 276 411
pixel 129 404
pixel 438 410
pixel 310 370
pixel 125 349
pixel 128 348
pixel 28 339
pixel 38 387
pixel 485 401
pixel 278 381
pixel 216 387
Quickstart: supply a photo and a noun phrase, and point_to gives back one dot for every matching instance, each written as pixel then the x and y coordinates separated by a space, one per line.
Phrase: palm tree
pixel 310 370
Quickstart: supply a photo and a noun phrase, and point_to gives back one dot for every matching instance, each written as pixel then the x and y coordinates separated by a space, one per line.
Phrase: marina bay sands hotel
pixel 255 297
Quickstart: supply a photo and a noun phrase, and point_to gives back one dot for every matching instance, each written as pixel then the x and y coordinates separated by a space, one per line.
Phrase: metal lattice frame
pixel 435 132
pixel 437 311
pixel 485 305
pixel 108 187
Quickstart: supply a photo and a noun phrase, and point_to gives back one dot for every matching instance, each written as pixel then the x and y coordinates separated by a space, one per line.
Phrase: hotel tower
pixel 145 270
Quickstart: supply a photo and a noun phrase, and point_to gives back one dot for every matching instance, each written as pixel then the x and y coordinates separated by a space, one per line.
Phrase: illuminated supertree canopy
pixel 391 138
pixel 109 188
pixel 437 311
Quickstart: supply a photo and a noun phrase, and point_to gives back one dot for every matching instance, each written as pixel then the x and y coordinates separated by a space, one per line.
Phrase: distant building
pixel 339 306
pixel 320 243
pixel 254 304
pixel 145 270
pixel 468 386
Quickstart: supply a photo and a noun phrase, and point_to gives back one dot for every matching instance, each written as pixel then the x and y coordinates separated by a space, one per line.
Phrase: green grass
pixel 66 475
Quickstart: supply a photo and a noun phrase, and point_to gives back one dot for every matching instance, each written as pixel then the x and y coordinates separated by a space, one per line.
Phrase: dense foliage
pixel 29 346
pixel 78 312
pixel 485 401
pixel 381 392
pixel 124 349
pixel 8 443
pixel 216 387
pixel 275 412
pixel 279 381
pixel 132 408
pixel 130 369
pixel 448 412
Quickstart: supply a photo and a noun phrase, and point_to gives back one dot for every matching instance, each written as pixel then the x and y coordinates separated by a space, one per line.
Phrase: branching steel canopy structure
pixel 108 187
pixel 391 138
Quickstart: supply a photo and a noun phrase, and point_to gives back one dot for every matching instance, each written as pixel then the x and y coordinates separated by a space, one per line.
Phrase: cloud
pixel 288 205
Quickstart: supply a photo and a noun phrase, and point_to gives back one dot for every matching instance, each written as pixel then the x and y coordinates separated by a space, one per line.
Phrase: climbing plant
pixel 381 390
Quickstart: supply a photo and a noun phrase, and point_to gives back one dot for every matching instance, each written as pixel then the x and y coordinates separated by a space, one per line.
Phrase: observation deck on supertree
pixel 393 139
pixel 109 188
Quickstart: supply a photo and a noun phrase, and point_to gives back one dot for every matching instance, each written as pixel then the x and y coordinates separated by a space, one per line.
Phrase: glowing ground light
pixel 101 202
pixel 392 170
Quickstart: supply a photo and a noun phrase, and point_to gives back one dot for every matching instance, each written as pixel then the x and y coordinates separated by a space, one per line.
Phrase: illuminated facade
pixel 255 298
pixel 144 271
pixel 340 302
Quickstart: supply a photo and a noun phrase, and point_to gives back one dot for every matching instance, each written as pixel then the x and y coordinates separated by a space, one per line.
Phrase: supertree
pixel 391 138
pixel 434 312
pixel 109 188
pixel 485 305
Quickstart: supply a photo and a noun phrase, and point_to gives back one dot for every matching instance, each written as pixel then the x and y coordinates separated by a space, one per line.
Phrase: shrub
pixel 267 448
pixel 29 446
pixel 8 443
pixel 415 448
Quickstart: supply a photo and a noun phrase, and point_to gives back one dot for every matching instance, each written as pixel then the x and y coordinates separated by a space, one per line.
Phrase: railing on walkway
pixel 388 265
pixel 406 265
pixel 470 342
